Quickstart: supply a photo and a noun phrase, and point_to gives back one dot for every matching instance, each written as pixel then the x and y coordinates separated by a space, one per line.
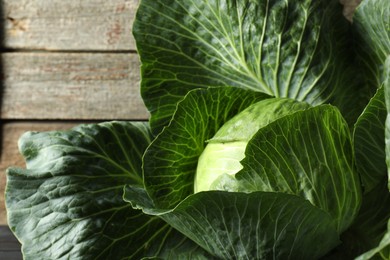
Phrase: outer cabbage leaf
pixel 259 225
pixel 379 201
pixel 371 23
pixel 170 161
pixel 370 153
pixel 285 48
pixel 382 250
pixel 369 145
pixel 369 142
pixel 68 203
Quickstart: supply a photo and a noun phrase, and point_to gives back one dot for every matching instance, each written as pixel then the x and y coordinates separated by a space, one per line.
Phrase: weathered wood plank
pixel 11 255
pixel 10 155
pixel 9 245
pixel 69 25
pixel 71 86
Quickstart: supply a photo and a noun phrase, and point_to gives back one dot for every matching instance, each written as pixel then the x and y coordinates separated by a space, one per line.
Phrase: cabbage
pixel 268 139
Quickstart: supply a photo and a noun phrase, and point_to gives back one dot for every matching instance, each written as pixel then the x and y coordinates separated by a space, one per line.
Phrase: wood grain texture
pixel 71 86
pixel 9 245
pixel 69 25
pixel 11 157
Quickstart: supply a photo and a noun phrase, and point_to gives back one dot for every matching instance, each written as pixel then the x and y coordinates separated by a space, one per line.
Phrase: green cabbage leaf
pixel 284 48
pixel 68 202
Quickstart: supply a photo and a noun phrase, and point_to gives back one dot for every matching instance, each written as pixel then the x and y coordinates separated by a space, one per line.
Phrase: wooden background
pixel 62 63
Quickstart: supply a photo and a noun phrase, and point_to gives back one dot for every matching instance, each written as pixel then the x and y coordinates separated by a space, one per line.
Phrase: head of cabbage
pixel 273 178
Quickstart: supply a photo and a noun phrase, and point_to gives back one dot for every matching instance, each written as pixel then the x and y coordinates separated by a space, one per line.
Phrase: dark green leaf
pixel 68 203
pixel 375 211
pixel 369 226
pixel 369 142
pixel 284 48
pixel 371 24
pixel 382 251
pixel 258 225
